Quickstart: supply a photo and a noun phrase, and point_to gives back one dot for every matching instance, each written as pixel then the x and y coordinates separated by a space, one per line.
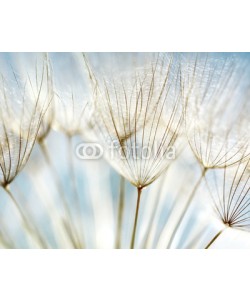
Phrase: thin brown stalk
pixel 153 215
pixel 215 238
pixel 74 190
pixel 30 228
pixel 196 239
pixel 120 213
pixel 186 207
pixel 5 238
pixel 139 190
pixel 67 223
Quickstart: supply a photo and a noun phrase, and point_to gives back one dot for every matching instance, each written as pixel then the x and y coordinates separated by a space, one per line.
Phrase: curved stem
pixel 139 190
pixel 192 244
pixel 74 189
pixel 5 240
pixel 120 213
pixel 67 223
pixel 32 230
pixel 214 238
pixel 153 216
pixel 186 207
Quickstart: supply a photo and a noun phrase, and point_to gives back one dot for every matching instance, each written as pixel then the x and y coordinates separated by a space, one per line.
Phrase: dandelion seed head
pixel 72 93
pixel 230 191
pixel 21 113
pixel 216 93
pixel 141 112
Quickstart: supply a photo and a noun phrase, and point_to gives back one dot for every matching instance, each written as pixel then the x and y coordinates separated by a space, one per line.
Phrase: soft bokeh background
pixel 92 190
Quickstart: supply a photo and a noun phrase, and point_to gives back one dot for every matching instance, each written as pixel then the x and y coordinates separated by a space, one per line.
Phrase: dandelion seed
pixel 216 110
pixel 46 124
pixel 138 117
pixel 72 93
pixel 21 114
pixel 216 94
pixel 230 191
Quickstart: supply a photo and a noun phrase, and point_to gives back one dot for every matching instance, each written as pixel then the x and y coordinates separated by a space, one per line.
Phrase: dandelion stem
pixel 67 223
pixel 195 240
pixel 120 213
pixel 139 190
pixel 186 207
pixel 74 188
pixel 215 238
pixel 32 230
pixel 153 216
pixel 5 240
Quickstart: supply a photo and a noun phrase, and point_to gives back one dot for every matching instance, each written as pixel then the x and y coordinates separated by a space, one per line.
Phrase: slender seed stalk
pixel 67 223
pixel 74 189
pixel 153 215
pixel 32 230
pixel 195 240
pixel 187 205
pixel 6 241
pixel 139 190
pixel 120 213
pixel 215 238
